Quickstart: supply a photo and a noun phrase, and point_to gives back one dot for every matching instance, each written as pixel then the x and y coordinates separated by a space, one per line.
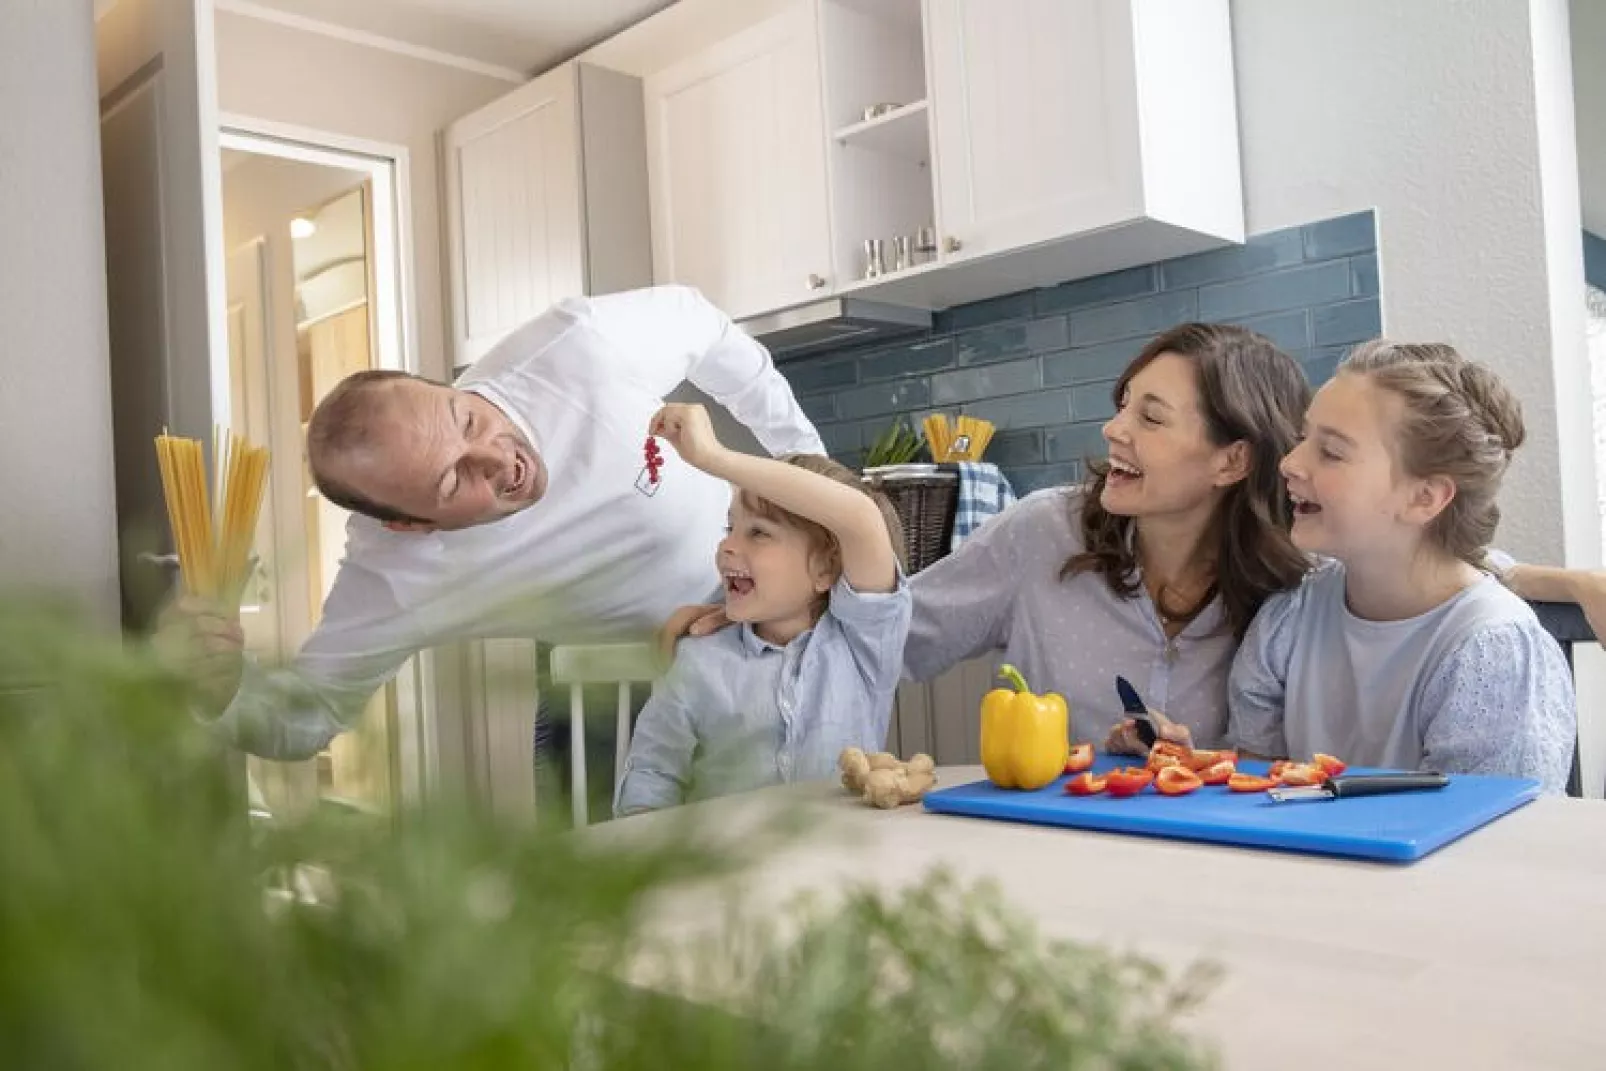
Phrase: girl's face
pixel 1162 462
pixel 1351 498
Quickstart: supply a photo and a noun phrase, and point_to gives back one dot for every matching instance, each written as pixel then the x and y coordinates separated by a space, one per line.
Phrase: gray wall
pixel 57 527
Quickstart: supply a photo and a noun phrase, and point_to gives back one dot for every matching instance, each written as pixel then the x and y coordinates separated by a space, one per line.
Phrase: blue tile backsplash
pixel 1040 364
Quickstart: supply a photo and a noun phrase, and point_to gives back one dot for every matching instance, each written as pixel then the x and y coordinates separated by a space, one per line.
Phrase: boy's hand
pixel 688 430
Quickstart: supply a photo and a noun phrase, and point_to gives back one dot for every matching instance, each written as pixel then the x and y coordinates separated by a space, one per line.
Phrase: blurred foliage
pixel 144 924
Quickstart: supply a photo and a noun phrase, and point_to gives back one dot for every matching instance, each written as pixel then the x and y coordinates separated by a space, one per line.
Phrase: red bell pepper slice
pixel 1085 784
pixel 1277 768
pixel 1203 760
pixel 1128 781
pixel 1081 758
pixel 1219 774
pixel 1177 781
pixel 1302 773
pixel 1245 782
pixel 1330 765
pixel 1161 760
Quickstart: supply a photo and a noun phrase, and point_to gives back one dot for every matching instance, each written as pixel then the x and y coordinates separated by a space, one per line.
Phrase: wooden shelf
pixel 900 133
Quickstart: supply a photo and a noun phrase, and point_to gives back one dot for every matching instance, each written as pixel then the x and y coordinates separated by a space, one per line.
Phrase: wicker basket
pixel 925 497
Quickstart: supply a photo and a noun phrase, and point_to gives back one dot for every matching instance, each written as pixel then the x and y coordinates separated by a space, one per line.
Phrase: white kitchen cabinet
pixel 736 166
pixel 546 198
pixel 1073 137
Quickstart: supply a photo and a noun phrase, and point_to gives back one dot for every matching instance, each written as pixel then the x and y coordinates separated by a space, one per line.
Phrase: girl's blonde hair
pixel 1460 421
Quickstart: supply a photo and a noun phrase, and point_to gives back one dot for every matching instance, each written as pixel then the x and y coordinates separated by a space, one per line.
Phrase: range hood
pixel 834 322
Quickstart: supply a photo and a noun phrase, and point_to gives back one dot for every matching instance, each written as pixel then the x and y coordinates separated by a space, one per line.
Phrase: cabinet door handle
pixel 816 282
pixel 952 244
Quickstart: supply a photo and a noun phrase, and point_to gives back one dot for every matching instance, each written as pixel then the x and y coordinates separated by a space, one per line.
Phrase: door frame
pixel 418 731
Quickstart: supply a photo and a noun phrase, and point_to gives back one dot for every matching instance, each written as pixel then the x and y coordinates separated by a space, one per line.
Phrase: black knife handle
pixel 1348 787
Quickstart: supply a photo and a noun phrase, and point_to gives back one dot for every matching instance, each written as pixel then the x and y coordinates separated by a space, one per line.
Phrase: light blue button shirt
pixel 736 712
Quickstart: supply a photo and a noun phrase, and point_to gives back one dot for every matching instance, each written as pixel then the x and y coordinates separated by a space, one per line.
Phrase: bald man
pixel 512 504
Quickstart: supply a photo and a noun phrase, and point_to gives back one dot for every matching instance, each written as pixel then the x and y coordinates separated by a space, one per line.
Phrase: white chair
pixel 623 664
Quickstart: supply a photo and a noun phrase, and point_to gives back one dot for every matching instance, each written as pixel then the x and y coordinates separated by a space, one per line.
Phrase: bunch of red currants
pixel 655 459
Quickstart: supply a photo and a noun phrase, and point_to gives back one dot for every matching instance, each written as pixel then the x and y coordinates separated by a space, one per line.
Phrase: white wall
pixel 286 75
pixel 1589 81
pixel 1427 112
pixel 58 527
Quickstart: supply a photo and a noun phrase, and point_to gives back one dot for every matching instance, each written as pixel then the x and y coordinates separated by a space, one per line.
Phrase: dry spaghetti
pixel 213 545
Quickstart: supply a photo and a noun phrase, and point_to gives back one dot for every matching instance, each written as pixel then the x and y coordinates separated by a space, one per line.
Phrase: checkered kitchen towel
pixel 984 492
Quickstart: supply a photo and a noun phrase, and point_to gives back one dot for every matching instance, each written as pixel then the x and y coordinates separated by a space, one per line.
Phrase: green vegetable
pixel 897 445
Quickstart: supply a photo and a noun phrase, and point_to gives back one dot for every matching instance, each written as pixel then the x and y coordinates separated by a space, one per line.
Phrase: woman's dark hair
pixel 1249 391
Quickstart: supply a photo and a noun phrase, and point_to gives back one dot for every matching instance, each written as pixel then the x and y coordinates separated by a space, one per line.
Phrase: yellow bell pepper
pixel 1025 738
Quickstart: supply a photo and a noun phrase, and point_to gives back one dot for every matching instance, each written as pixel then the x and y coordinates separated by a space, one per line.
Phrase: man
pixel 516 503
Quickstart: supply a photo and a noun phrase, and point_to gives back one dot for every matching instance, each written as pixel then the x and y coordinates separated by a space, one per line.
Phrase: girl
pixel 1400 650
pixel 813 577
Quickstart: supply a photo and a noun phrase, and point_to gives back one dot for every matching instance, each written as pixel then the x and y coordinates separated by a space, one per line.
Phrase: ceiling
pixel 523 35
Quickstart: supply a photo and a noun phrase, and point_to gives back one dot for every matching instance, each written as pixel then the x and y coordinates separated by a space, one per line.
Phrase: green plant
pixel 897 445
pixel 141 927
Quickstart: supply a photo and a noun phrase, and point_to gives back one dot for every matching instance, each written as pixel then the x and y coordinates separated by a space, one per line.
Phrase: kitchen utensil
pixel 1349 786
pixel 1397 827
pixel 1137 710
pixel 900 253
pixel 874 258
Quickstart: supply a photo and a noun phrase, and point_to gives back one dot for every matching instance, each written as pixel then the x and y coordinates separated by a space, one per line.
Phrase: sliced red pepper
pixel 1302 773
pixel 1177 781
pixel 1330 765
pixel 1085 784
pixel 1245 782
pixel 1162 760
pixel 1277 768
pixel 1128 781
pixel 1167 747
pixel 1218 774
pixel 1203 760
pixel 1081 758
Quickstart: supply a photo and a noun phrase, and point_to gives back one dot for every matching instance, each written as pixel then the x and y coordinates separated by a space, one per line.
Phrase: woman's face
pixel 1162 461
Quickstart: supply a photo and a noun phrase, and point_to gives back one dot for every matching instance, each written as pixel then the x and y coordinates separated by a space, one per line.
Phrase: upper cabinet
pixel 736 154
pixel 546 198
pixel 932 152
pixel 1057 119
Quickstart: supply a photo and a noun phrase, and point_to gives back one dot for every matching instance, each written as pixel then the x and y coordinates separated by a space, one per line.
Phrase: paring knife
pixel 1137 710
pixel 1350 786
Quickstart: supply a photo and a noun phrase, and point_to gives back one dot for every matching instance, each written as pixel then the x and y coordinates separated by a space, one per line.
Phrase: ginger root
pixel 883 780
pixel 855 767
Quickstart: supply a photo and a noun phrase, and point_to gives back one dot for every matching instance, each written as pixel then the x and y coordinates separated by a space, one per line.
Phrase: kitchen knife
pixel 1350 786
pixel 1137 710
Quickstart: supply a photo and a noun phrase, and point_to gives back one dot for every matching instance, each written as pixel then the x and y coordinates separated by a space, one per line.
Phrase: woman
pixel 1153 568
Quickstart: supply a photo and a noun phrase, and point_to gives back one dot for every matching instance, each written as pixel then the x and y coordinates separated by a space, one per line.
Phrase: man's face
pixel 445 456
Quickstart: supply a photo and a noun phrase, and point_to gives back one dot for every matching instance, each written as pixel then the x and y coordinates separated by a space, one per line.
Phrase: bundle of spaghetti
pixel 938 436
pixel 213 533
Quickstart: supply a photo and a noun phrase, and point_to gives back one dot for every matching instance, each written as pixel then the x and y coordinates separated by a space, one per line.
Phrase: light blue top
pixel 736 712
pixel 1002 591
pixel 1475 685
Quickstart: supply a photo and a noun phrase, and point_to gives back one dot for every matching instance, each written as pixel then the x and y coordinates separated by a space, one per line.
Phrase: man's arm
pixel 672 334
pixel 292 713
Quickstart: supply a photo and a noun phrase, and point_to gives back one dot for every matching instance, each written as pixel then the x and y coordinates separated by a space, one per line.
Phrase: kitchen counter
pixel 1481 955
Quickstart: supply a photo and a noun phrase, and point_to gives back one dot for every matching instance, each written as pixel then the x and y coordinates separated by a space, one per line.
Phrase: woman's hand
pixel 1124 740
pixel 698 620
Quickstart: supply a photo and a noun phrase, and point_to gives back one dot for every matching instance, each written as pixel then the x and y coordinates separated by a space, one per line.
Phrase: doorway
pixel 315 290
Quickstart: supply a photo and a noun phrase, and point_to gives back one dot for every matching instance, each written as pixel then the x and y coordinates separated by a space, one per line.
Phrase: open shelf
pixel 900 132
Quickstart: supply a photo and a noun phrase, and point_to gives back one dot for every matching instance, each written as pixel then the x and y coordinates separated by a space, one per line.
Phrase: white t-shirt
pixel 595 560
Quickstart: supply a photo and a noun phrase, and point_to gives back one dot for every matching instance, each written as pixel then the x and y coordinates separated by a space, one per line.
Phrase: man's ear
pixel 421 527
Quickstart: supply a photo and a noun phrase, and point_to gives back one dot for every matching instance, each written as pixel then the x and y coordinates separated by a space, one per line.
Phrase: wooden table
pixel 1490 953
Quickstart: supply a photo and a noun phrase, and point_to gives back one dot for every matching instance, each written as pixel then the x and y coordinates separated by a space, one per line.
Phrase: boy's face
pixel 772 578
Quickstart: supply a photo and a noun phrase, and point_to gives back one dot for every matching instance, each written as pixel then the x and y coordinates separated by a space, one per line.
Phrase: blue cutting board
pixel 1400 828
